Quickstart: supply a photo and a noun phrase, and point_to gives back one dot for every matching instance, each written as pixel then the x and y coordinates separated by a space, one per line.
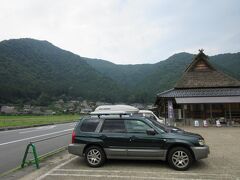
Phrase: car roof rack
pixel 108 113
pixel 117 108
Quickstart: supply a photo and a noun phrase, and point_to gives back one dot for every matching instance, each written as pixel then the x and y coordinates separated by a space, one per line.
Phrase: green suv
pixel 98 139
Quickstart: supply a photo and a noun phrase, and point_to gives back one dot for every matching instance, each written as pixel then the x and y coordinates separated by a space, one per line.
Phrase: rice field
pixel 29 120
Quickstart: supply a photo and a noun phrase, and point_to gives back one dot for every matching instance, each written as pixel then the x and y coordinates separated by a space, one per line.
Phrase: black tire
pixel 180 158
pixel 95 156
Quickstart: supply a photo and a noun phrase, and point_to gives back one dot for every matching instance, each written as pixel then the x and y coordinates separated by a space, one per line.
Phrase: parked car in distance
pixel 116 108
pixel 110 109
pixel 149 114
pixel 97 138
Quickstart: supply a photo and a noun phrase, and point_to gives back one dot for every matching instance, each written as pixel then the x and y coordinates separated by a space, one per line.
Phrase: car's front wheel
pixel 95 156
pixel 180 158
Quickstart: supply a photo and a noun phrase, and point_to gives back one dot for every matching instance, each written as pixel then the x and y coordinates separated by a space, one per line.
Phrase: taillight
pixel 73 136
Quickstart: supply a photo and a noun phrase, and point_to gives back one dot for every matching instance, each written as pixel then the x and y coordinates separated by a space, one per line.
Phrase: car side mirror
pixel 151 132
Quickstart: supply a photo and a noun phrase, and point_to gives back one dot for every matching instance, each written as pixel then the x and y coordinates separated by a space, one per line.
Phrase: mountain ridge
pixel 32 70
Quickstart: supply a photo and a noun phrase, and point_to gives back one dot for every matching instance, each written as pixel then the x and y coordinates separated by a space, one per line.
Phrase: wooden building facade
pixel 202 93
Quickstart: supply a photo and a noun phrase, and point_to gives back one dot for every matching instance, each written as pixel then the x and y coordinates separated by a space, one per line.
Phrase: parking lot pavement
pixel 222 163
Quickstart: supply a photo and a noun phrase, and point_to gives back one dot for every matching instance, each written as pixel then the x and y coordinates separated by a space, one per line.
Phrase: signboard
pixel 170 110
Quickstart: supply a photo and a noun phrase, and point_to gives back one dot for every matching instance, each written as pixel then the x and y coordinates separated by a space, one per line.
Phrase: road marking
pixel 43 128
pixel 13 130
pixel 27 128
pixel 150 172
pixel 46 127
pixel 11 142
pixel 117 176
pixel 59 166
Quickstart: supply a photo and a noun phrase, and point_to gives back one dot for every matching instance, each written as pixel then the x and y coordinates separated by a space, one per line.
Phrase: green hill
pixel 146 80
pixel 39 72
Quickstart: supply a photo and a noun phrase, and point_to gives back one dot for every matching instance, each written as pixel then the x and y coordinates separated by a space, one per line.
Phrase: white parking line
pixel 59 166
pixel 19 140
pixel 43 128
pixel 116 176
pixel 149 172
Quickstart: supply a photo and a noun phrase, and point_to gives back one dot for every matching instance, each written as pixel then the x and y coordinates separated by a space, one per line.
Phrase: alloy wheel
pixel 180 159
pixel 94 157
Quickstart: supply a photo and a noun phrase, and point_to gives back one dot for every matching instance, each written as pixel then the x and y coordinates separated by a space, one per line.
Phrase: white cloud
pixel 122 31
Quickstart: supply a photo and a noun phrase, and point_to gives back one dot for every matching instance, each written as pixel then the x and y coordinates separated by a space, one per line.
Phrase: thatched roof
pixel 201 74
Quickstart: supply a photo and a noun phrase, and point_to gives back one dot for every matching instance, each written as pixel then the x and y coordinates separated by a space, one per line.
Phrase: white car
pixel 125 109
pixel 151 115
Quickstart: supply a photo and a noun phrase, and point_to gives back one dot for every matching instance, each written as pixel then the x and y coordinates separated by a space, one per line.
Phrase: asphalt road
pixel 13 143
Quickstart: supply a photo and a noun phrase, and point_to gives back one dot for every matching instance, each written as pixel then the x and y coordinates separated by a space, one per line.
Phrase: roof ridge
pixel 199 56
pixel 210 77
pixel 165 91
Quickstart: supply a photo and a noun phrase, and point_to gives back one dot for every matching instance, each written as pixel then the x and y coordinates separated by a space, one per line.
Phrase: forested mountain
pixel 39 72
pixel 146 80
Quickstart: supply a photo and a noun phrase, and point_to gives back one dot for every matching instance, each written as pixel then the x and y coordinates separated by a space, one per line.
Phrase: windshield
pixel 166 128
pixel 158 125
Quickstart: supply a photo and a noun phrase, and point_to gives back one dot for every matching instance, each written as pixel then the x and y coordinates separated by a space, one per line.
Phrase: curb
pixel 35 125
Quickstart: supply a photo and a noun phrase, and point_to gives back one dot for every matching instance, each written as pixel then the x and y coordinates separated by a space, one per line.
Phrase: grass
pixel 29 120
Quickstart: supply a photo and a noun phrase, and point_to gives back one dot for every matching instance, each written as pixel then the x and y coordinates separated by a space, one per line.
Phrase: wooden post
pixel 184 117
pixel 225 114
pixel 211 116
pixel 230 113
pixel 165 111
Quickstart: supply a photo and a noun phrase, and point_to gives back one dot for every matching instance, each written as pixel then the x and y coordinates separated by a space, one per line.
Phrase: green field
pixel 28 120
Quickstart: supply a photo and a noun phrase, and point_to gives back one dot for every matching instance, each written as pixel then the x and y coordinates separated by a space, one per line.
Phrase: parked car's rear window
pixel 113 126
pixel 89 125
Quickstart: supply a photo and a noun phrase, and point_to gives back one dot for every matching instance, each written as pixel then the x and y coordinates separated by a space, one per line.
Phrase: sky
pixel 126 31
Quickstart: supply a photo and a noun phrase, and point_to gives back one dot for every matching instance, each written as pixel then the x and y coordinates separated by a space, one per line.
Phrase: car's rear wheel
pixel 180 158
pixel 95 156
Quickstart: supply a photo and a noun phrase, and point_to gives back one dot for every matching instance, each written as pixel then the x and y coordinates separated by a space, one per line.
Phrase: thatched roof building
pixel 203 88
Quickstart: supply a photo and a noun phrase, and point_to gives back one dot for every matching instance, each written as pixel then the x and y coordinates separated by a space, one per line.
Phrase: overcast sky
pixel 126 31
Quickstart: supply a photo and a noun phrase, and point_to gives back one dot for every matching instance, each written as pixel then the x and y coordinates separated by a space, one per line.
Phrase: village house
pixel 8 110
pixel 202 93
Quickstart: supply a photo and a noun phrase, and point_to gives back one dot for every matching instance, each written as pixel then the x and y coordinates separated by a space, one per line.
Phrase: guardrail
pixel 32 146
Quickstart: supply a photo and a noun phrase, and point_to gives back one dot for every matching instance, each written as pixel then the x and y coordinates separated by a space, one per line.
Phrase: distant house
pixel 84 104
pixel 27 109
pixel 8 110
pixel 202 93
pixel 86 110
